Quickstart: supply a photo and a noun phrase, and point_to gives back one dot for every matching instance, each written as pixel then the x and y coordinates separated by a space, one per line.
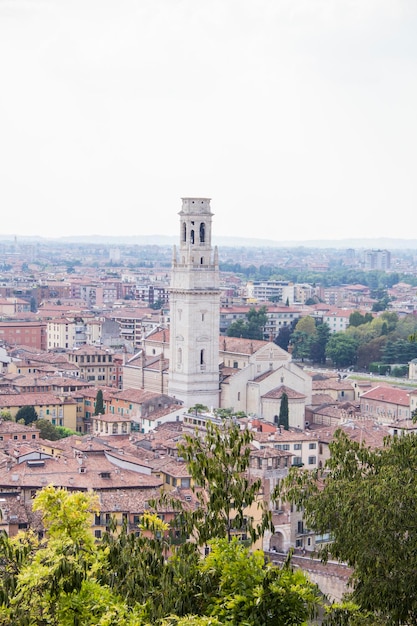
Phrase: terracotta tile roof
pixel 282 436
pixel 86 350
pixel 111 418
pixel 368 431
pixel 136 395
pixel 31 399
pixel 331 383
pixel 163 412
pixel 318 399
pixel 133 502
pixel 392 395
pixel 240 345
pixel 67 472
pixel 8 426
pixel 279 391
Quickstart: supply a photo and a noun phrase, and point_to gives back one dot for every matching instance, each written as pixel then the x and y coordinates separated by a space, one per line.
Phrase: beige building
pixel 110 424
pixel 72 333
pixel 386 404
pixel 95 365
pixel 59 410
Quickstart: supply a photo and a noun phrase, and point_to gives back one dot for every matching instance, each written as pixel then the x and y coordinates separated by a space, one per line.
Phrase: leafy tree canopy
pixel 253 327
pixel 27 414
pixel 218 463
pixel 365 499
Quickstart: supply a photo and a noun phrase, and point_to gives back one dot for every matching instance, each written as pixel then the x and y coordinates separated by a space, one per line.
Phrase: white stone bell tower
pixel 195 309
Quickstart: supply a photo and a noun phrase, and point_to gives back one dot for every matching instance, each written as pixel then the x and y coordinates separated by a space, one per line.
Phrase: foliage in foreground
pixel 67 579
pixel 366 500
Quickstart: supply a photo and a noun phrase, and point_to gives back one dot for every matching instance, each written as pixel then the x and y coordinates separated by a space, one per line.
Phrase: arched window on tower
pixel 192 236
pixel 202 357
pixel 179 356
pixel 184 232
pixel 202 232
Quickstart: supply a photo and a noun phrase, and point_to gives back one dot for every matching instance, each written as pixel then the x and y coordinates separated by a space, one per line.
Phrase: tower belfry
pixel 195 309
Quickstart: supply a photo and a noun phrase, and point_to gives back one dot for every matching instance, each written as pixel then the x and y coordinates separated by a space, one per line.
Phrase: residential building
pixel 377 260
pixel 386 404
pixel 31 333
pixel 59 410
pixel 95 365
pixel 270 291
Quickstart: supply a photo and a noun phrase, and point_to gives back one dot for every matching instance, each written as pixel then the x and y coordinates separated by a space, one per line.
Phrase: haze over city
pixel 296 117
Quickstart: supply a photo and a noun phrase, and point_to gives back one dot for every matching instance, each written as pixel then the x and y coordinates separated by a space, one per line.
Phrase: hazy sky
pixel 297 117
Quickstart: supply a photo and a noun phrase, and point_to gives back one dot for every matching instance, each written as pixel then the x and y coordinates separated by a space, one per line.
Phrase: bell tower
pixel 195 309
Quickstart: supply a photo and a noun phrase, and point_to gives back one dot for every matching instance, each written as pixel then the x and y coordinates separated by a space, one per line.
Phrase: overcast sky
pixel 297 117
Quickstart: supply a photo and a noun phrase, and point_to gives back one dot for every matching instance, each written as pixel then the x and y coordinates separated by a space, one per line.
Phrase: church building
pixel 192 362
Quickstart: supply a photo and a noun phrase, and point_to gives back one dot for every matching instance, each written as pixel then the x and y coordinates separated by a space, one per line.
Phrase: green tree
pixel 283 418
pixel 48 430
pixel 304 337
pixel 140 570
pixel 99 404
pixel 51 432
pixel 284 335
pixel 246 591
pixel 357 319
pixel 319 344
pixel 306 324
pixel 218 464
pixel 370 352
pixel 342 349
pixel 198 408
pixel 54 582
pixel 27 414
pixel 365 500
pixel 252 327
pixel 301 343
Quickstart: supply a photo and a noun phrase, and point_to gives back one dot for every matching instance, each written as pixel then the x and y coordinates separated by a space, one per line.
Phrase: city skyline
pixel 296 118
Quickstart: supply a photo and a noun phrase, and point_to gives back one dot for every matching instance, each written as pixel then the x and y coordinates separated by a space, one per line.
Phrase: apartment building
pixel 59 410
pixel 278 317
pixel 71 333
pixel 377 260
pixel 270 291
pixel 386 404
pixel 95 365
pixel 30 333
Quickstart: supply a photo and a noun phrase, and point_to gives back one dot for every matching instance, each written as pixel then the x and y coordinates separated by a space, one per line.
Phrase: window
pixel 312 460
pixel 297 460
pixel 297 446
pixel 312 446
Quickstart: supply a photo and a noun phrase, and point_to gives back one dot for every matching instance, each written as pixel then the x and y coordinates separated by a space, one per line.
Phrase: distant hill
pixel 233 242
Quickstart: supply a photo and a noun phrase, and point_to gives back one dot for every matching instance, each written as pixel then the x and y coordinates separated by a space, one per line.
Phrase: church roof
pixel 239 345
pixel 278 392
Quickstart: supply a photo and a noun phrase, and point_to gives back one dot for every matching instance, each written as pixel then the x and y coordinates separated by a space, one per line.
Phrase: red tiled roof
pixel 392 395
